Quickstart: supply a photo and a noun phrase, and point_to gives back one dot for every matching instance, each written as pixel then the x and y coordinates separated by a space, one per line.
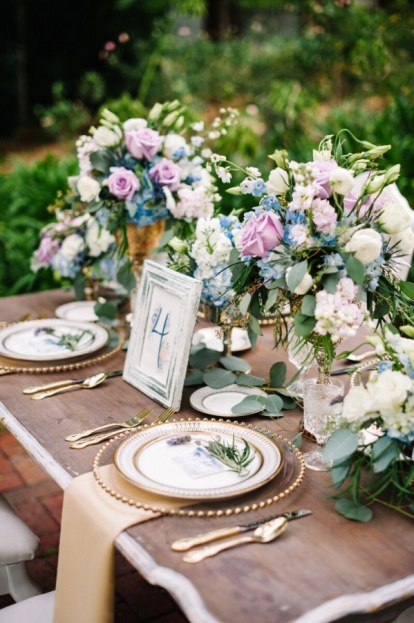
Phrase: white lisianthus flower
pixel 136 123
pixel 97 238
pixel 365 244
pixel 104 137
pixel 88 188
pixel 278 182
pixel 177 245
pixel 173 143
pixel 324 155
pixel 389 391
pixel 72 246
pixel 358 405
pixel 341 181
pixel 393 218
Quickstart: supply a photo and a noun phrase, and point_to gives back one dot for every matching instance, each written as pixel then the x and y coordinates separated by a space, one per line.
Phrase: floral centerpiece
pixel 373 450
pixel 141 171
pixel 76 246
pixel 324 241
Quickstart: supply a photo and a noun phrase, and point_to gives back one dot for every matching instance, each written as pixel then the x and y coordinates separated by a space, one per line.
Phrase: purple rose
pixel 166 173
pixel 261 233
pixel 123 183
pixel 143 143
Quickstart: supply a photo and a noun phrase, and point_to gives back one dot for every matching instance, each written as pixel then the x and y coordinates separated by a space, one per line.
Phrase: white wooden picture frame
pixel 164 316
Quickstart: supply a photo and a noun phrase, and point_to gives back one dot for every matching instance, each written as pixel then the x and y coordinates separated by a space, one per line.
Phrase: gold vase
pixel 141 241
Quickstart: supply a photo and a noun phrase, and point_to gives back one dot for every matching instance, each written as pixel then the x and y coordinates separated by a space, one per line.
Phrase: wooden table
pixel 323 568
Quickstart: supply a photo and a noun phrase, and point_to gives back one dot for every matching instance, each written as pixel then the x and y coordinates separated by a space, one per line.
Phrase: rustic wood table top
pixel 323 568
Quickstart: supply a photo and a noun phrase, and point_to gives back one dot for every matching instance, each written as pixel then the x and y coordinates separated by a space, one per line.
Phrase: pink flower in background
pixel 261 233
pixel 143 143
pixel 123 183
pixel 324 216
pixel 322 169
pixel 46 251
pixel 166 173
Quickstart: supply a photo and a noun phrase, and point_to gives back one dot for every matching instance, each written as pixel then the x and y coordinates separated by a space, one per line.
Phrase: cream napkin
pixel 92 519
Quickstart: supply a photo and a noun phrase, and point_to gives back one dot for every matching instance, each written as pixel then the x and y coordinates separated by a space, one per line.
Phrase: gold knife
pixel 181 545
pixel 65 383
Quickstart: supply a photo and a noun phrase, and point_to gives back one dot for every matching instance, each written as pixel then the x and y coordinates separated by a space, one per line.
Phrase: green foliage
pixel 25 195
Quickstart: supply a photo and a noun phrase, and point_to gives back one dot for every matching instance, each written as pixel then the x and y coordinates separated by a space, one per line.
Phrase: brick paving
pixel 38 501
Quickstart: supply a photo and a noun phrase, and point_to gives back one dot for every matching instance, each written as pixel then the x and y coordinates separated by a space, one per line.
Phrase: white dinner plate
pixel 38 340
pixel 221 401
pixel 77 310
pixel 153 460
pixel 239 339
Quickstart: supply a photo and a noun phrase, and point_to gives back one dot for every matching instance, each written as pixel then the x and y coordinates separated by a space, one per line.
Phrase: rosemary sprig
pixel 230 455
pixel 66 340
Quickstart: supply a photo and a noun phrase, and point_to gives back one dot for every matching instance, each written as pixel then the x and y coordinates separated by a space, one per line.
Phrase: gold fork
pixel 134 421
pixel 77 445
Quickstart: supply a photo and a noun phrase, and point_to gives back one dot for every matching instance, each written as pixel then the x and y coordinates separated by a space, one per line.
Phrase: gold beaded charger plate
pixel 284 482
pixel 51 340
pixel 220 402
pixel 77 310
pixel 173 459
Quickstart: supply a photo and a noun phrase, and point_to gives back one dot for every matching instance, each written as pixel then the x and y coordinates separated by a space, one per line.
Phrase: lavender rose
pixel 143 143
pixel 261 233
pixel 166 173
pixel 123 183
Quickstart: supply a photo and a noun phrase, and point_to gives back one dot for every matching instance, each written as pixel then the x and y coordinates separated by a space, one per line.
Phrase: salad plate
pixel 77 310
pixel 51 339
pixel 221 401
pixel 174 460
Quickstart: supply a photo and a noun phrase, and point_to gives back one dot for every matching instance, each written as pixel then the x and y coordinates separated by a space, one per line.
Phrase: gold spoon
pixel 88 383
pixel 263 534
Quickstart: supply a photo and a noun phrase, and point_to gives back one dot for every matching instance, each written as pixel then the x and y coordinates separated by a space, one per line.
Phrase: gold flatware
pixel 134 421
pixel 78 445
pixel 65 383
pixel 182 545
pixel 89 383
pixel 263 534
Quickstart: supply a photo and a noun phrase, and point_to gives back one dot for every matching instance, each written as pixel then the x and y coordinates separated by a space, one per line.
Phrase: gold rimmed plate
pixel 82 311
pixel 45 340
pixel 171 460
pixel 219 402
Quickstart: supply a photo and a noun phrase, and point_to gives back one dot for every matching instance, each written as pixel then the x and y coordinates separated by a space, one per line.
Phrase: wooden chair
pixel 18 544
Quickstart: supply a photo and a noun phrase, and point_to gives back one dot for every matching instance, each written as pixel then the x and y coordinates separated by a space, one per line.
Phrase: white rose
pixel 389 391
pixel 88 188
pixel 341 181
pixel 177 245
pixel 104 137
pixel 365 244
pixel 393 218
pixel 278 182
pixel 172 144
pixel 135 124
pixel 97 238
pixel 72 246
pixel 357 405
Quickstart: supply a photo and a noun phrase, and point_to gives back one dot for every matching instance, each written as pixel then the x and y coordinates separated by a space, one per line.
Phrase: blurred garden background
pixel 295 70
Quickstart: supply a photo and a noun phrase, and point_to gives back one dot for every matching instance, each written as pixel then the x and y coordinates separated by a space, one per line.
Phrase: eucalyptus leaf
pixel 277 374
pixel 355 270
pixel 194 378
pixel 218 378
pixel 125 277
pixel 252 337
pixel 271 300
pixel 304 325
pixel 308 305
pixel 250 381
pixel 296 274
pixel 384 452
pixel 276 283
pixel 204 358
pixel 235 364
pixel 288 403
pixel 247 405
pixel 330 282
pixel 101 160
pixel 245 303
pixel 105 310
pixel 297 441
pixel 340 445
pixel 339 474
pixel 274 404
pixel 353 510
pixel 254 325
